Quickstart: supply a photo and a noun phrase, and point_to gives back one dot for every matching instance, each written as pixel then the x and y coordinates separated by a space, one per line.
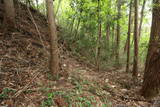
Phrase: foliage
pixel 5 93
pixel 78 20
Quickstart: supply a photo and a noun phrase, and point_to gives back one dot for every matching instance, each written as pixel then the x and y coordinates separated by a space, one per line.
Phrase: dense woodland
pixel 79 53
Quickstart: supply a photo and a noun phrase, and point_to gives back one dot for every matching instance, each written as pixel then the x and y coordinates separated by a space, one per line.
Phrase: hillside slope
pixel 25 81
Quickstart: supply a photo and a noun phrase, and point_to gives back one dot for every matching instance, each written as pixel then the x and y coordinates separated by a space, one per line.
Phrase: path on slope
pixel 25 81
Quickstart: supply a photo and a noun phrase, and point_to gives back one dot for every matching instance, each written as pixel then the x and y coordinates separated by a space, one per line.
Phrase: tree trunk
pixel 108 22
pixel 135 63
pixel 108 35
pixel 99 39
pixel 113 41
pixel 151 82
pixel 141 20
pixel 98 47
pixel 118 31
pixel 9 13
pixel 129 35
pixel 54 51
pixel 132 24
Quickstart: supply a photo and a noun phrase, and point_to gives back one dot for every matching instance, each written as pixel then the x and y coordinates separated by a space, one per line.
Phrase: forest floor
pixel 25 81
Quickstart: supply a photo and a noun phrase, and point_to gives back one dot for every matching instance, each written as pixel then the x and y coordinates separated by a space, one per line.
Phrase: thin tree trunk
pixel 112 41
pixel 108 23
pixel 126 44
pixel 54 51
pixel 141 20
pixel 118 31
pixel 9 13
pixel 98 48
pixel 99 39
pixel 151 82
pixel 108 34
pixel 135 63
pixel 128 38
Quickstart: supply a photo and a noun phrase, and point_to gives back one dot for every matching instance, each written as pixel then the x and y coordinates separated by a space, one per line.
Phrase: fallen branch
pixel 25 87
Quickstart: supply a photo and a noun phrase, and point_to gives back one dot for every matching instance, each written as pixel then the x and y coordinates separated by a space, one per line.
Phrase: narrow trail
pixel 117 85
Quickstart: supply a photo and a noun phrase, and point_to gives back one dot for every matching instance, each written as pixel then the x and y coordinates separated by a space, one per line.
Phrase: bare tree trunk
pixel 118 31
pixel 99 39
pixel 126 44
pixel 108 34
pixel 135 64
pixel 141 20
pixel 54 51
pixel 98 47
pixel 9 13
pixel 151 82
pixel 113 41
pixel 108 27
pixel 129 36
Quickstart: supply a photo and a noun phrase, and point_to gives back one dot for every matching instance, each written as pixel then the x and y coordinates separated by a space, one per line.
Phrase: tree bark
pixel 9 13
pixel 108 21
pixel 151 82
pixel 118 31
pixel 99 39
pixel 129 35
pixel 113 41
pixel 135 63
pixel 54 51
pixel 141 20
pixel 108 35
